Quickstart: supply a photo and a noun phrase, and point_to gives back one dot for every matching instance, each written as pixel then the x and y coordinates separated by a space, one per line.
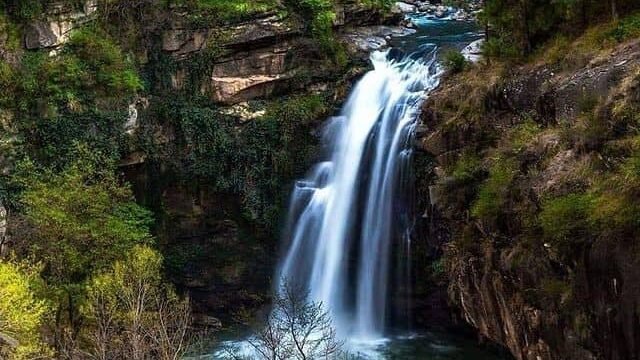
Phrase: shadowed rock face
pixel 493 280
pixel 55 30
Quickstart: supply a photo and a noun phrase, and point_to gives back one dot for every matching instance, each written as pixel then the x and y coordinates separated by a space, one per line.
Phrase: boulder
pixel 364 40
pixel 473 51
pixel 42 34
pixel 403 7
pixel 441 11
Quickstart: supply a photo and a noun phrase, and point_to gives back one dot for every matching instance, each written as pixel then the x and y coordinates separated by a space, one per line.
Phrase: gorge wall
pixel 529 187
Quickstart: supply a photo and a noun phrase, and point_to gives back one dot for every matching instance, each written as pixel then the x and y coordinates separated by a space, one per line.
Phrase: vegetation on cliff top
pixel 518 28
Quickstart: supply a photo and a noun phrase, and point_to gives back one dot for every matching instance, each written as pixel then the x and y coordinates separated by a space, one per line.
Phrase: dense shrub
pixel 227 10
pixel 454 61
pixel 80 220
pixel 627 28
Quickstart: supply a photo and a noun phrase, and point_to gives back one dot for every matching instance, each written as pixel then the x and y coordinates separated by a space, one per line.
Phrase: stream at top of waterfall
pixel 353 207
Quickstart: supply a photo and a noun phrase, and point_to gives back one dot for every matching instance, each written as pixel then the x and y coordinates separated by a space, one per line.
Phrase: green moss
pixel 556 291
pixel 493 193
pixel 467 168
pixel 564 219
pixel 523 134
pixel 378 4
pixel 318 17
pixel 101 58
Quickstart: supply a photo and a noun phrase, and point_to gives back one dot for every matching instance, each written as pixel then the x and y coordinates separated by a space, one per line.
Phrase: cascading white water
pixel 344 216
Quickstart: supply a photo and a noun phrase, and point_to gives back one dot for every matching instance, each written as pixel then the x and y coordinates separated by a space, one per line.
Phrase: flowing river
pixel 353 207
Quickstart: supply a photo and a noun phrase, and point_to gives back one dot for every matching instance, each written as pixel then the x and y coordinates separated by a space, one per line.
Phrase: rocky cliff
pixel 218 114
pixel 526 176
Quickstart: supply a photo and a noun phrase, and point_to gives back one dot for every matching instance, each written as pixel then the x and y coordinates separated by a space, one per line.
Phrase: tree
pixel 82 219
pixel 21 313
pixel 133 314
pixel 297 328
pixel 75 223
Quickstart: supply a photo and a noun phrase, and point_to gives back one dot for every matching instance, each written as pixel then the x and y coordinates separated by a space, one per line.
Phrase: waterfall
pixel 345 215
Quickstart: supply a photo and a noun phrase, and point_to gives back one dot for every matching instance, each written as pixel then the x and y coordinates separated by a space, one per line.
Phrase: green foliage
pixel 519 27
pixel 82 220
pixel 378 4
pixel 256 160
pixel 62 100
pixel 438 268
pixel 564 219
pixel 616 205
pixel 523 134
pixel 227 10
pixel 23 10
pixel 467 168
pixel 556 291
pixel 22 313
pixel 454 61
pixel 89 67
pixel 500 47
pixel 131 311
pixel 627 28
pixel 318 17
pixel 101 64
pixel 493 193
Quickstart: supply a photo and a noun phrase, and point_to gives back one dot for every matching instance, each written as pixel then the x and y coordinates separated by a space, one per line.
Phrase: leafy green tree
pixel 76 223
pixel 22 313
pixel 82 219
pixel 133 313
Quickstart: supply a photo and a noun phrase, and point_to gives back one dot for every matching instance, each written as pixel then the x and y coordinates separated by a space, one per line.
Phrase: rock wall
pixel 514 287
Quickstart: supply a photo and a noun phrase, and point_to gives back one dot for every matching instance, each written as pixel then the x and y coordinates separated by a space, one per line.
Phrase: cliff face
pixel 526 174
pixel 223 119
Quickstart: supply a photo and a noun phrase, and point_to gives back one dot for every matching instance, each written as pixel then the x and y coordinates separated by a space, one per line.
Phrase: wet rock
pixel 364 40
pixel 203 320
pixel 403 7
pixel 441 11
pixel 473 51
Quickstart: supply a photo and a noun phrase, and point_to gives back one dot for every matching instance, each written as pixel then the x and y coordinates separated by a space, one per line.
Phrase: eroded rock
pixel 56 29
